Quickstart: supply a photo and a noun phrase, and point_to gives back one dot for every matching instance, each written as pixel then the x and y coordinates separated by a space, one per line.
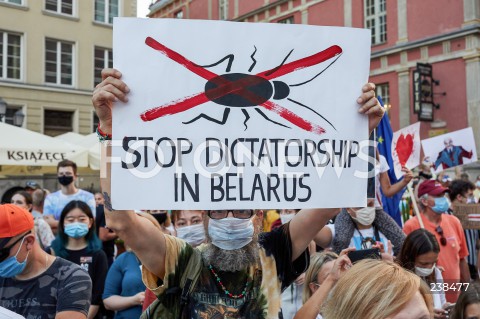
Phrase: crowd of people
pixel 70 254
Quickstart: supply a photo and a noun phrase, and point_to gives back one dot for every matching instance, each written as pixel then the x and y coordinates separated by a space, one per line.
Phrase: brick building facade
pixel 443 33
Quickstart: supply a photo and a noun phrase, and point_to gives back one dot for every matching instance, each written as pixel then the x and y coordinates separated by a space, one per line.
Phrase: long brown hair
pixel 417 243
pixel 467 297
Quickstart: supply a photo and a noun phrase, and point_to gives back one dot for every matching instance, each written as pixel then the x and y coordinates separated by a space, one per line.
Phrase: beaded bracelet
pixel 103 136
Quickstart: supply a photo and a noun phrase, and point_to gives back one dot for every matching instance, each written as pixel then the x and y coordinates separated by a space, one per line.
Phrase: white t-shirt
pixel 357 239
pixel 380 167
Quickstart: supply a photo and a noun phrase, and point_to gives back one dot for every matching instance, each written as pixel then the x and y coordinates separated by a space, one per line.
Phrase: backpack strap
pixel 190 277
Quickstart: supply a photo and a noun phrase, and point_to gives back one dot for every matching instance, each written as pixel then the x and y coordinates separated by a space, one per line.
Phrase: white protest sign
pixel 451 149
pixel 228 115
pixel 406 148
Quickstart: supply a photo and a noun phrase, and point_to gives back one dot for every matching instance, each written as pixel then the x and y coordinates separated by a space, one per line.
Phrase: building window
pixel 288 20
pixel 223 9
pixel 19 2
pixel 57 122
pixel 10 55
pixel 58 62
pixel 376 19
pixel 179 14
pixel 106 10
pixel 59 6
pixel 383 90
pixel 103 59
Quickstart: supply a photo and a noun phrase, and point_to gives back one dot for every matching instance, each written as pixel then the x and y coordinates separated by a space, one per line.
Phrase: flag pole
pixel 415 207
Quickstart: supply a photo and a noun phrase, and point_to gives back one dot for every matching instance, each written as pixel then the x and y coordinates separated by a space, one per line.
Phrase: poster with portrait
pixel 450 150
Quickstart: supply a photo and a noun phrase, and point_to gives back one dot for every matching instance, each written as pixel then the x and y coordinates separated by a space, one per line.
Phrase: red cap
pixel 431 187
pixel 14 221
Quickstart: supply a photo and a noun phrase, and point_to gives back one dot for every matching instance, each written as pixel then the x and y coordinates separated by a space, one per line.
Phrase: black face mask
pixel 65 180
pixel 160 217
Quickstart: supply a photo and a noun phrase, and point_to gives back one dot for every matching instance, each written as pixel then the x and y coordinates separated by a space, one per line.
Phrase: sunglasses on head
pixel 443 240
pixel 240 214
pixel 5 252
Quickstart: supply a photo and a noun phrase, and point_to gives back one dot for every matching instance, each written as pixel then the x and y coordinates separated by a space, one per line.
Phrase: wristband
pixel 103 136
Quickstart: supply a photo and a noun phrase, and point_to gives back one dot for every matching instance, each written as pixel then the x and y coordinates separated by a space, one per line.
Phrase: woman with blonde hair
pixel 320 266
pixel 374 289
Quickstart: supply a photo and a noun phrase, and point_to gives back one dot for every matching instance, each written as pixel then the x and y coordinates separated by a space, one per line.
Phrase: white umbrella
pixel 89 142
pixel 22 147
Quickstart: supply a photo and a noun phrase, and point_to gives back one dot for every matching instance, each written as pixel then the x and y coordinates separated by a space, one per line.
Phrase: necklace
pixel 228 293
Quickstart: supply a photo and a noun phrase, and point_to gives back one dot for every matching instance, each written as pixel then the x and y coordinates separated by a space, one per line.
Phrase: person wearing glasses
pixel 33 283
pixel 243 271
pixel 433 205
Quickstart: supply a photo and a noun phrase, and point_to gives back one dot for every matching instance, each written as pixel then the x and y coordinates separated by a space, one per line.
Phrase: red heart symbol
pixel 404 148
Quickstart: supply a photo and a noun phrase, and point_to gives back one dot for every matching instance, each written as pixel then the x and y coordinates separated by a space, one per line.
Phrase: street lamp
pixel 18 117
pixel 3 109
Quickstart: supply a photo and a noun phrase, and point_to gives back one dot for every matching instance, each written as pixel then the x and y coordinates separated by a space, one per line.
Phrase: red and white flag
pixel 406 148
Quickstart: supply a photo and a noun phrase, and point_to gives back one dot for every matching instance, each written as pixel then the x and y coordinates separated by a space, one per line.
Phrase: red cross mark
pixel 242 87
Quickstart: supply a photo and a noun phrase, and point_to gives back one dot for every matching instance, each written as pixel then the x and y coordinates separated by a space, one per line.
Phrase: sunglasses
pixel 443 240
pixel 5 252
pixel 240 214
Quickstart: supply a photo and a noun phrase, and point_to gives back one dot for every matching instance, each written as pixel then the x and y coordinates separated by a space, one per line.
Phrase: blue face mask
pixel 230 233
pixel 11 267
pixel 441 205
pixel 76 230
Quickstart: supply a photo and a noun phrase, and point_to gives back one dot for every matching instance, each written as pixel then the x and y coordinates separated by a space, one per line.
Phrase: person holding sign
pixel 243 272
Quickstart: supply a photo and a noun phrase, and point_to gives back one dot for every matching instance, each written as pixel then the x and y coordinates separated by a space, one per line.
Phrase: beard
pixel 231 260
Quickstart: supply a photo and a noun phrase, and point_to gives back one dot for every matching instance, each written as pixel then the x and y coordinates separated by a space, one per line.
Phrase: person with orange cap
pixel 33 283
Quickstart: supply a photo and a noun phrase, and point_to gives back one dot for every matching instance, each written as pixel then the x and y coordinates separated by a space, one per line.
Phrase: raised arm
pixel 388 189
pixel 308 222
pixel 138 233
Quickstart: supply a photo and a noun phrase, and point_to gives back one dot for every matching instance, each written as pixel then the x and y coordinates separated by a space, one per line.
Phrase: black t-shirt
pixel 97 267
pixel 64 286
pixel 109 245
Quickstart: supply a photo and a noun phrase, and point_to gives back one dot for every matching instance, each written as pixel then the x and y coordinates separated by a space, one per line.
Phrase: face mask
pixel 76 230
pixel 194 234
pixel 424 272
pixel 441 205
pixel 285 218
pixel 10 267
pixel 65 180
pixel 471 200
pixel 365 216
pixel 477 183
pixel 230 233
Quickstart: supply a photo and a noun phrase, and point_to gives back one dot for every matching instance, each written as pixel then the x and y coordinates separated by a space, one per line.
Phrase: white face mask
pixel 424 272
pixel 365 216
pixel 230 233
pixel 285 218
pixel 193 234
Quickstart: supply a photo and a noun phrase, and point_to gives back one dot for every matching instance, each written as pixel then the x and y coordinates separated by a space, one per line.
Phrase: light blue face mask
pixel 11 267
pixel 230 233
pixel 441 205
pixel 76 230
